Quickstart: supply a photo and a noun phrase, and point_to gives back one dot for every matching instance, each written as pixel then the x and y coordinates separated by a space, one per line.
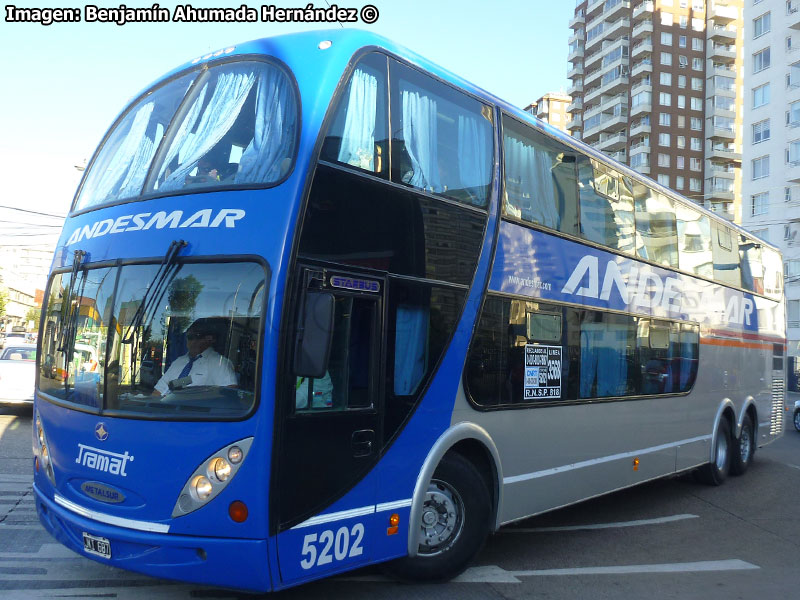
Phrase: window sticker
pixel 542 371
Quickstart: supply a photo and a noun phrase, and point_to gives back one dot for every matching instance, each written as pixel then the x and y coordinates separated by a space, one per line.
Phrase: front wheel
pixel 715 472
pixel 453 525
pixel 743 448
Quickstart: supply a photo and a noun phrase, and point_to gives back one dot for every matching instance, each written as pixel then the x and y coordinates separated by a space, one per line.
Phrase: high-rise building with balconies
pixel 654 85
pixel 771 144
pixel 551 108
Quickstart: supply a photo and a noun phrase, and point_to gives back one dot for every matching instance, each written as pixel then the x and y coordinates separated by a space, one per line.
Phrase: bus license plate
pixel 99 546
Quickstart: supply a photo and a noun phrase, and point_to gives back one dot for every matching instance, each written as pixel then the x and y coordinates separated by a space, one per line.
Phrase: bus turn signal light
pixel 394 521
pixel 238 511
pixel 635 464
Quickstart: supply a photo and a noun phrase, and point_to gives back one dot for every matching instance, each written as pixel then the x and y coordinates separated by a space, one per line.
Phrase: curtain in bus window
pixel 358 137
pixel 530 189
pixel 125 175
pixel 269 154
pixel 750 264
pixel 473 159
pixel 604 358
pixel 420 133
pixel 411 346
pixel 193 143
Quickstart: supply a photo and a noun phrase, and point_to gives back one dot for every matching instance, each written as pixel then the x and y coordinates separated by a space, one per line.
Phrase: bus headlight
pixel 211 477
pixel 42 451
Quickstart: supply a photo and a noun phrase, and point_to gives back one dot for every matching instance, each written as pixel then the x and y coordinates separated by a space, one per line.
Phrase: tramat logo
pixel 641 287
pixel 206 217
pixel 103 460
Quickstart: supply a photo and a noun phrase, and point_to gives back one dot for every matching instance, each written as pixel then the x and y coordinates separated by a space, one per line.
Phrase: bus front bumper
pixel 225 562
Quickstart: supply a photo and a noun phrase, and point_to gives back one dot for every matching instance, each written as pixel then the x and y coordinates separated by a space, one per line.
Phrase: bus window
pixel 725 249
pixel 359 132
pixel 694 241
pixel 540 182
pixel 750 264
pixel 656 230
pixel 441 139
pixel 606 206
pixel 119 170
pixel 240 128
pixel 76 328
pixel 773 277
pixel 608 342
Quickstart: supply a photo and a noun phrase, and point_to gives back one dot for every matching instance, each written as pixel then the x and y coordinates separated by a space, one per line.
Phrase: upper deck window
pixel 233 124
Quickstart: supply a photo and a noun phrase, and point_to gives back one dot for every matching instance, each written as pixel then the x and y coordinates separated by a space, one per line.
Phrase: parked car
pixel 796 417
pixel 17 373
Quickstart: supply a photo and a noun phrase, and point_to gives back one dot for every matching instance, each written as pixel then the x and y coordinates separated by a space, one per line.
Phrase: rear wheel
pixel 797 419
pixel 715 472
pixel 453 525
pixel 743 448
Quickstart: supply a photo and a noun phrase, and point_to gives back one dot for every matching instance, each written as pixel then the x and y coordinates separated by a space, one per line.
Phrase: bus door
pixel 330 435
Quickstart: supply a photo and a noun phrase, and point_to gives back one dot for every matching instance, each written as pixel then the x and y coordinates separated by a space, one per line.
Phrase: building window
pixel 663 139
pixel 697 64
pixel 681 81
pixel 759 204
pixel 665 78
pixel 762 234
pixel 663 160
pixel 681 101
pixel 761 95
pixel 663 179
pixel 697 84
pixel 666 58
pixel 698 24
pixel 681 142
pixel 696 123
pixel 680 182
pixel 666 18
pixel 695 164
pixel 793 114
pixel 696 103
pixel 681 121
pixel 684 21
pixel 680 162
pixel 697 144
pixel 760 167
pixel 666 38
pixel 761 25
pixel 761 60
pixel 694 184
pixel 683 62
pixel 665 99
pixel 664 119
pixel 697 44
pixel 761 131
pixel 682 41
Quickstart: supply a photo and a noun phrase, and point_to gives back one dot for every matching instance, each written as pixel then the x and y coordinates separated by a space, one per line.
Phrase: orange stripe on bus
pixel 735 344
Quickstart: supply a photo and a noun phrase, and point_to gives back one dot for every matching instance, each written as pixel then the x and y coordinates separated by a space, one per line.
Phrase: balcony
pixel 642 28
pixel 575 53
pixel 575 71
pixel 723 14
pixel 722 53
pixel 724 153
pixel 613 143
pixel 793 14
pixel 793 171
pixel 617 156
pixel 616 10
pixel 642 48
pixel 643 85
pixel 721 133
pixel 639 148
pixel 641 67
pixel 643 169
pixel 643 10
pixel 576 37
pixel 722 171
pixel 608 124
pixel 717 111
pixel 576 122
pixel 577 21
pixel 613 87
pixel 592 78
pixel 575 105
pixel 645 108
pixel 723 35
pixel 575 88
pixel 717 90
pixel 640 129
pixel 611 31
pixel 723 71
pixel 594 5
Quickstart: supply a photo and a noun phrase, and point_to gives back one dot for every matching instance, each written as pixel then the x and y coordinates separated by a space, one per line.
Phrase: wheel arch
pixel 727 411
pixel 749 408
pixel 476 445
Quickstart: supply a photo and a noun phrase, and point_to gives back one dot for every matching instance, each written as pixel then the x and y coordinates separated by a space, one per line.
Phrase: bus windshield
pixel 174 342
pixel 233 124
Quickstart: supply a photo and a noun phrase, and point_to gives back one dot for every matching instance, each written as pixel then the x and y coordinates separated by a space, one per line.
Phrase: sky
pixel 64 84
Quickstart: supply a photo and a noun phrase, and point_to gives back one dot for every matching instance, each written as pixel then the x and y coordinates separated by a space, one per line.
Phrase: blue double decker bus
pixel 320 304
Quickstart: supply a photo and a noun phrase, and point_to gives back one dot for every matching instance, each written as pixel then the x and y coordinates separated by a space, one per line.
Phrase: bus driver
pixel 201 365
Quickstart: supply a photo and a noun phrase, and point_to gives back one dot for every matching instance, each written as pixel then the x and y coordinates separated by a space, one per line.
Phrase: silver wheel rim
pixel 442 518
pixel 722 450
pixel 745 444
pixel 797 420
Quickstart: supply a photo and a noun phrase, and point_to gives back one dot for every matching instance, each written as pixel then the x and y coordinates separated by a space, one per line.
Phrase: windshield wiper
pixel 68 332
pixel 152 296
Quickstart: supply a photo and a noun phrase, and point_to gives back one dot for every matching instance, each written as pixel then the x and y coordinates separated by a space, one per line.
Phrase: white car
pixel 17 373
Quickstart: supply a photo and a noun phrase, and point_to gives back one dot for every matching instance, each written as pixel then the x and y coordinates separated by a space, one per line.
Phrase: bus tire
pixel 744 448
pixel 796 419
pixel 454 523
pixel 715 472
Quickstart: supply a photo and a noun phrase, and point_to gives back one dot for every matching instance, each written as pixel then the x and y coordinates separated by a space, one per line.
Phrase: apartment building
pixel 771 149
pixel 654 85
pixel 551 108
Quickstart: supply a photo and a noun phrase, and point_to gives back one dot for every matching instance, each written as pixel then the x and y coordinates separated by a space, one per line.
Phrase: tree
pixel 33 314
pixel 3 301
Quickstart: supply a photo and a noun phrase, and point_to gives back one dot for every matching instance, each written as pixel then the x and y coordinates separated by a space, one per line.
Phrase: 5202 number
pixel 322 550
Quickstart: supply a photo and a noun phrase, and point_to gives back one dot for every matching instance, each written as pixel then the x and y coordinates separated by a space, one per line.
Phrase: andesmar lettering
pixel 206 217
pixel 103 460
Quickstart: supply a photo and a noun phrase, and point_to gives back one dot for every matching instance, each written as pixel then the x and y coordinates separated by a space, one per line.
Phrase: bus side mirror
pixel 314 335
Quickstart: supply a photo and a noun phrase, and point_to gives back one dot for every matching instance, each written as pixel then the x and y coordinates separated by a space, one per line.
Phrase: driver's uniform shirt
pixel 209 368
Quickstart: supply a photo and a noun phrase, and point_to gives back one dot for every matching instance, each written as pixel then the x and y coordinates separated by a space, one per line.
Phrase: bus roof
pixel 346 42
